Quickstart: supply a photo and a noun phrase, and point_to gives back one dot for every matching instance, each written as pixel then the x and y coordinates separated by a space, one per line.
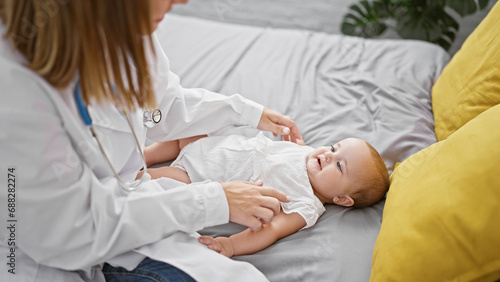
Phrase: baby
pixel 349 173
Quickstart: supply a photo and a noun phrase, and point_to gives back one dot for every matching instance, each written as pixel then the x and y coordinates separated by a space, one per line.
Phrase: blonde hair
pixel 372 186
pixel 96 39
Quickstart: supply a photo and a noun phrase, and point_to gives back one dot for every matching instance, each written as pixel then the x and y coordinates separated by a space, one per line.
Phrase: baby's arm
pixel 248 241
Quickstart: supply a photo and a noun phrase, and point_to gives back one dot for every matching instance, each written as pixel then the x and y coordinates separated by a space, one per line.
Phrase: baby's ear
pixel 343 200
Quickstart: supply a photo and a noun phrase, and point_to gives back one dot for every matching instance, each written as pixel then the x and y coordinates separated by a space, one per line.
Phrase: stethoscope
pixel 150 118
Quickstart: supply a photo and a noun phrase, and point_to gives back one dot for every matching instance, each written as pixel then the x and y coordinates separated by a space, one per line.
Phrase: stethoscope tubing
pixel 84 114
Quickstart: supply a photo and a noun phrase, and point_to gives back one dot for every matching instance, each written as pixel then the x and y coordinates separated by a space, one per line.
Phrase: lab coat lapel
pixel 83 141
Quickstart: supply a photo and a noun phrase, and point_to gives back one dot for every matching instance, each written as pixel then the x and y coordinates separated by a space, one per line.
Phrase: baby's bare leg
pixel 167 171
pixel 161 152
pixel 185 141
pixel 166 151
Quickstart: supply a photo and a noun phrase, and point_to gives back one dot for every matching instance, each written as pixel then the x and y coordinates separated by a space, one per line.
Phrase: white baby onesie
pixel 279 164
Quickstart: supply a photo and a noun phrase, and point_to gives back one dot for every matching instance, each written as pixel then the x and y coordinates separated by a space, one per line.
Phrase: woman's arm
pixel 84 218
pixel 189 112
pixel 249 242
pixel 71 201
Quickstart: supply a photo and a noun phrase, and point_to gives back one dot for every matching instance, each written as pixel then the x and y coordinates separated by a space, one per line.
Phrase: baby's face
pixel 333 170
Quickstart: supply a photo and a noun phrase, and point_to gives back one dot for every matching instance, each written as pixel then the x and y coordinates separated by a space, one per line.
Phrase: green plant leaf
pixel 483 4
pixel 448 21
pixel 410 27
pixel 446 44
pixel 451 35
pixel 462 7
pixel 366 30
pixel 358 10
pixel 418 24
pixel 432 24
pixel 365 20
pixel 414 19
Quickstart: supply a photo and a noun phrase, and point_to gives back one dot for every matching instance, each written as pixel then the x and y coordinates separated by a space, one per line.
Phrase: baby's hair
pixel 373 184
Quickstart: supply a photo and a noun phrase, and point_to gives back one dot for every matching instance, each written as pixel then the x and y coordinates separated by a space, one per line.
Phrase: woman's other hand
pixel 252 205
pixel 279 124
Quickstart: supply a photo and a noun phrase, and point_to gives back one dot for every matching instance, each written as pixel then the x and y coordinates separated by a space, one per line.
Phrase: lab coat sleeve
pixel 67 218
pixel 189 112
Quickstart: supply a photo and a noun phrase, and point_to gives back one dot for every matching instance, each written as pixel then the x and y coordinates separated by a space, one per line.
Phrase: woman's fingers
pixel 301 142
pixel 279 125
pixel 271 192
pixel 252 205
pixel 294 132
pixel 258 183
pixel 252 222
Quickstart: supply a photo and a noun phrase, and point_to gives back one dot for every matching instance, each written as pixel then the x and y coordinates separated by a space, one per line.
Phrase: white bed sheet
pixel 333 87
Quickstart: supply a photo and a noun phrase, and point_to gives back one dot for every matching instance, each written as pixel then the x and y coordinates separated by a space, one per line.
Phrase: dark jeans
pixel 148 270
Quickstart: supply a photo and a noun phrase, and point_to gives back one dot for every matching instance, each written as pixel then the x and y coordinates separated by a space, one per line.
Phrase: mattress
pixel 334 87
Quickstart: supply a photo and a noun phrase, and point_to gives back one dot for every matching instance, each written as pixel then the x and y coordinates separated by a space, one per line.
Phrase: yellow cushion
pixel 470 83
pixel 441 219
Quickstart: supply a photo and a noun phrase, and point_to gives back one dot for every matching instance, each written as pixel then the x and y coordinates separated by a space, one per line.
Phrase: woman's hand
pixel 279 125
pixel 252 205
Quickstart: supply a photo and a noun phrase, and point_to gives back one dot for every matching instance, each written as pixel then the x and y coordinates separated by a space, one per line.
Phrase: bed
pixel 333 87
pixel 440 218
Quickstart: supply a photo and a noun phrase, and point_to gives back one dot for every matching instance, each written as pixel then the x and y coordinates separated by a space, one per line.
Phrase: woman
pixel 69 203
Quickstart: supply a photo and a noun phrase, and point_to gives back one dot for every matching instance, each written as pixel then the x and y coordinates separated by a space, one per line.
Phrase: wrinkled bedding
pixel 333 87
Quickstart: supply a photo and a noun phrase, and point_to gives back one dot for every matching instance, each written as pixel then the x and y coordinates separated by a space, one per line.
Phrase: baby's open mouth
pixel 319 163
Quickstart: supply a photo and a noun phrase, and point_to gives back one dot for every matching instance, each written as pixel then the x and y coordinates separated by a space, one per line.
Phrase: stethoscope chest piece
pixel 151 117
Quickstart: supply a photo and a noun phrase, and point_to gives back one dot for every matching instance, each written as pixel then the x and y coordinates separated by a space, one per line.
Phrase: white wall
pixel 318 15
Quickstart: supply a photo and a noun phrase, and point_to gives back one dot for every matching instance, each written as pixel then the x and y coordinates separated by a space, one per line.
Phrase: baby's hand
pixel 222 245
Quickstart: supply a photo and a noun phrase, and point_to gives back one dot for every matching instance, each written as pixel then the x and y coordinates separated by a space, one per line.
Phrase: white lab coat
pixel 71 213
